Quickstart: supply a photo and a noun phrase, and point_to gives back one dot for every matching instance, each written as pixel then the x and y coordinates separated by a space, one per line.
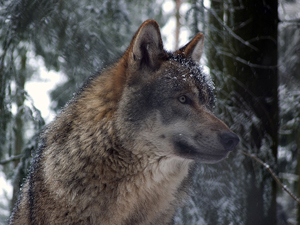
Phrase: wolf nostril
pixel 229 140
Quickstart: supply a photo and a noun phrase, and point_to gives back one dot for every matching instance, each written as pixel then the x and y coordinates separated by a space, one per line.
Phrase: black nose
pixel 229 140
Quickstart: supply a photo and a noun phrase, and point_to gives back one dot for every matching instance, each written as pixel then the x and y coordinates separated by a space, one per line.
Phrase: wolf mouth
pixel 190 151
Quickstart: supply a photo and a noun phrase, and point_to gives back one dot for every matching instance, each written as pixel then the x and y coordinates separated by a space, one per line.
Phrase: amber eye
pixel 183 99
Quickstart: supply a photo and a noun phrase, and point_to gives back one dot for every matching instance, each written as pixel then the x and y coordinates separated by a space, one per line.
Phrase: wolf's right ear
pixel 193 49
pixel 146 46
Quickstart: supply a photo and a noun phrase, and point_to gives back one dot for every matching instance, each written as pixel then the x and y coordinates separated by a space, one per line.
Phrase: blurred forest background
pixel 252 54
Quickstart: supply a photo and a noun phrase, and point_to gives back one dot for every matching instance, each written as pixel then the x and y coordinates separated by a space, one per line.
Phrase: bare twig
pixel 273 175
pixel 248 62
pixel 230 31
pixel 11 159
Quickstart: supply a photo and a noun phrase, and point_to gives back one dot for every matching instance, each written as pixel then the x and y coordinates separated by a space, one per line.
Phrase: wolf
pixel 122 151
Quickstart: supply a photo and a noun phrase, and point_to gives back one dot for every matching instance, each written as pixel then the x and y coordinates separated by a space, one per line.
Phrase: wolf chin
pixel 122 150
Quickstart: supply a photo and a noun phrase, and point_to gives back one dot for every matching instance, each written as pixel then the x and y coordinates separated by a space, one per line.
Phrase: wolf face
pixel 168 103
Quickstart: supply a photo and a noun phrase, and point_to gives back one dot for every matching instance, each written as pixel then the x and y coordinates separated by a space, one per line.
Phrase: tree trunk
pixel 177 28
pixel 298 173
pixel 216 36
pixel 19 127
pixel 252 61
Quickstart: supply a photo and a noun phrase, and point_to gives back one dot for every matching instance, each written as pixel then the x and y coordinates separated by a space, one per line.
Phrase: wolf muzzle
pixel 229 140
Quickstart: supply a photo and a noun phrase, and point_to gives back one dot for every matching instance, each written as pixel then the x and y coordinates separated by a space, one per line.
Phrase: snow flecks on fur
pixel 189 70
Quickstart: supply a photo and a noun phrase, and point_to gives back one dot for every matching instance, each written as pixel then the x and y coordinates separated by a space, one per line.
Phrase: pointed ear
pixel 146 46
pixel 193 49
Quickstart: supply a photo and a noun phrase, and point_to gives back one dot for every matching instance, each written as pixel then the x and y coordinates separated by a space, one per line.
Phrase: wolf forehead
pixel 184 74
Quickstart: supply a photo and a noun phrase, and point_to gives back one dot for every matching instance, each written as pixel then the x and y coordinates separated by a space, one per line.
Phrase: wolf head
pixel 166 103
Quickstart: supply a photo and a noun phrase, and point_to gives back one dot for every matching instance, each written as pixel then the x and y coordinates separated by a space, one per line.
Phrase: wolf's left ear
pixel 193 49
pixel 146 46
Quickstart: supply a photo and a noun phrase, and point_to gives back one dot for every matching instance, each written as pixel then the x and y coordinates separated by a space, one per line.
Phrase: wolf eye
pixel 183 99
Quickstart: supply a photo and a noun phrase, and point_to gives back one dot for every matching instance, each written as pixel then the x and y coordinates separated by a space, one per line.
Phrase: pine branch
pixel 11 159
pixel 273 175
